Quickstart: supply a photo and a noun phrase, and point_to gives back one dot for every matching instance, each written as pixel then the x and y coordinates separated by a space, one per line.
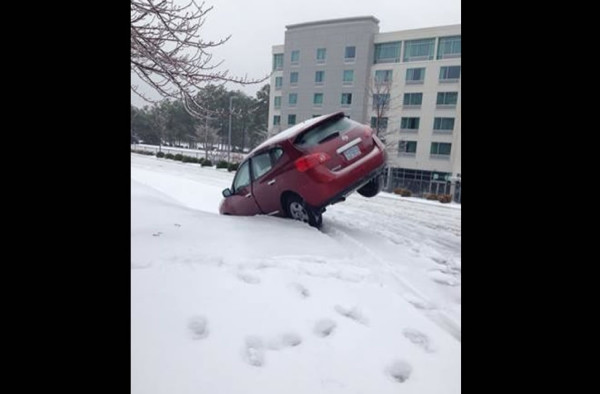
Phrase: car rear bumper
pixel 331 186
pixel 355 186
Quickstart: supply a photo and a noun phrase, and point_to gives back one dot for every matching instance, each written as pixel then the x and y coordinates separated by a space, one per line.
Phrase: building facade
pixel 405 84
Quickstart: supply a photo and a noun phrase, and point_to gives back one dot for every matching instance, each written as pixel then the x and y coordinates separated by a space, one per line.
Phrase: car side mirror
pixel 227 192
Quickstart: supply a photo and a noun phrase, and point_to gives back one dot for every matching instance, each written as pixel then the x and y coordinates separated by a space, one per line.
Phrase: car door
pixel 264 187
pixel 242 201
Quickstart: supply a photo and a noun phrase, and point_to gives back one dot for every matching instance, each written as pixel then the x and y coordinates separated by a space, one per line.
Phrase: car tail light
pixel 307 162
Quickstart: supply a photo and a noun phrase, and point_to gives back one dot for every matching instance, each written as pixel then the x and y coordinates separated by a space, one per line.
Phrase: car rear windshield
pixel 329 129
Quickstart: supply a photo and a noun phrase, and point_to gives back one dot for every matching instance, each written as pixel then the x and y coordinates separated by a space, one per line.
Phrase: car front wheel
pixel 298 210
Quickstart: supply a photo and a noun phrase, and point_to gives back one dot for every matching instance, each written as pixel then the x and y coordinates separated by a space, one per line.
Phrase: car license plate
pixel 352 152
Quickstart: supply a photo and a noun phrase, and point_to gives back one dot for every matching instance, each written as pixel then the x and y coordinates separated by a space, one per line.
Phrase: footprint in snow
pixel 158 234
pixel 443 279
pixel 198 326
pixel 289 339
pixel 353 314
pixel 399 370
pixel 254 352
pixel 324 327
pixel 418 338
pixel 250 279
pixel 301 290
pixel 418 302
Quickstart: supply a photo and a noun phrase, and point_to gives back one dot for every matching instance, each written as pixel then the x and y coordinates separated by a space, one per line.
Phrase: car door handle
pixel 272 181
pixel 248 195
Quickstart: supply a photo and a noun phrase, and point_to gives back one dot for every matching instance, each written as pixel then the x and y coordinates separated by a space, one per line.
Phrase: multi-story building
pixel 405 84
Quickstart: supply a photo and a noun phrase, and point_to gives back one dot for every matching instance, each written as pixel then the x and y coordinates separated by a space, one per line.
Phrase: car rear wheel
pixel 372 188
pixel 298 210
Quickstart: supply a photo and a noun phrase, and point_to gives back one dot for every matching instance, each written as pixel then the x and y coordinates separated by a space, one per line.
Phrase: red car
pixel 302 170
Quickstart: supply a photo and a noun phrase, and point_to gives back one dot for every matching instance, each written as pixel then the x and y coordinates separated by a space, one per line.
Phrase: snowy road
pixel 284 307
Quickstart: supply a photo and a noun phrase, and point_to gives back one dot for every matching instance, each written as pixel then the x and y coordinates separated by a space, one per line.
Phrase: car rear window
pixel 325 131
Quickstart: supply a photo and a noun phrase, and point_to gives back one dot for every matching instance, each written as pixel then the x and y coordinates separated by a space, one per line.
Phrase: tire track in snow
pixel 440 318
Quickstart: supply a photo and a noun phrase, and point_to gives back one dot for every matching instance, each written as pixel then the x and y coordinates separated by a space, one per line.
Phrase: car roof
pixel 294 131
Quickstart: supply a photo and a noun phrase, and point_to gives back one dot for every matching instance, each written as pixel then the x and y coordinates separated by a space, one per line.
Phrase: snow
pixel 224 304
pixel 288 133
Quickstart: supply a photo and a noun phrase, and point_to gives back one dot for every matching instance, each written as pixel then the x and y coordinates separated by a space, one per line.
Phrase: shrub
pixel 201 160
pixel 169 156
pixel 403 192
pixel 445 198
pixel 206 163
pixel 233 167
pixel 178 156
pixel 430 196
pixel 160 154
pixel 189 159
pixel 222 164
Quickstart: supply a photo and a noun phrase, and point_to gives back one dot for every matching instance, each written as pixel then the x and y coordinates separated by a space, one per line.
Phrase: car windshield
pixel 242 177
pixel 325 131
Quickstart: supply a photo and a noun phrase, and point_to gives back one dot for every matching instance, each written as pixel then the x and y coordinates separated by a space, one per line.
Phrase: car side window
pixel 276 153
pixel 261 164
pixel 242 178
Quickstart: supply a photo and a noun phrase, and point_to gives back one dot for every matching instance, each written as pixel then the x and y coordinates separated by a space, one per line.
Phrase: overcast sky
pixel 256 25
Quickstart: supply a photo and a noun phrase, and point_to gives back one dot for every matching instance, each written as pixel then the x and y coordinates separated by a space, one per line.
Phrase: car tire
pixel 372 188
pixel 297 209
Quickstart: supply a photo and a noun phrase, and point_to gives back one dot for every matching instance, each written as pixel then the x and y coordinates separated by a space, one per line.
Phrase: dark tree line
pixel 170 122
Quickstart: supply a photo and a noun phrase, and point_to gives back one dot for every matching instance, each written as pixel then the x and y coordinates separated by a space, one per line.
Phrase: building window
pixel 415 75
pixel 415 50
pixel 318 99
pixel 291 120
pixel 383 123
pixel 447 99
pixel 350 54
pixel 346 99
pixel 413 100
pixel 348 77
pixel 443 124
pixel 277 102
pixel 387 52
pixel 383 76
pixel 319 77
pixel 381 101
pixel 278 61
pixel 449 74
pixel 449 47
pixel 293 99
pixel 440 150
pixel 407 148
pixel 295 57
pixel 276 120
pixel 278 83
pixel 294 78
pixel 409 124
pixel 321 53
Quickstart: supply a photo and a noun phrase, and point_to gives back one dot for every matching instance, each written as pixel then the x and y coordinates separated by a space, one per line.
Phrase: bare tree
pixel 379 90
pixel 207 134
pixel 168 53
pixel 159 122
pixel 260 135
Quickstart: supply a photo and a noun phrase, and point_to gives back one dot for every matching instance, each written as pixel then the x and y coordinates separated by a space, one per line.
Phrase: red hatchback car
pixel 302 170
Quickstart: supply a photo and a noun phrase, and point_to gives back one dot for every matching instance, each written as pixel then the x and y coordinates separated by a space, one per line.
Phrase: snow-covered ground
pixel 371 303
